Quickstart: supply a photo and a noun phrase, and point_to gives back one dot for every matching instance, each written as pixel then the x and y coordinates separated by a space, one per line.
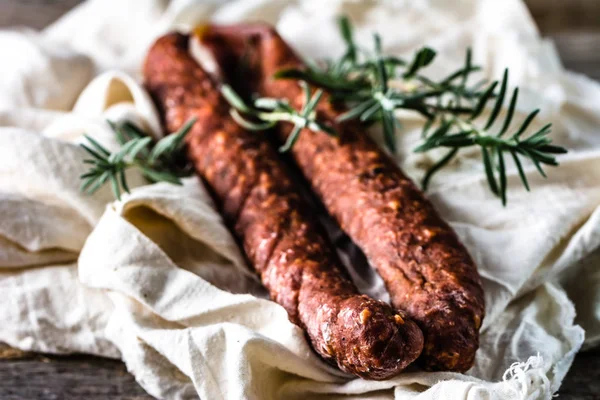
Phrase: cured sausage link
pixel 426 269
pixel 261 203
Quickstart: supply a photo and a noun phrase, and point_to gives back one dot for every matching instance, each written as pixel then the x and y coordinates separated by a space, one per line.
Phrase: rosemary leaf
pixel 92 152
pixel 520 169
pixel 123 181
pixel 499 101
pixel 389 130
pixel 489 170
pixel 160 176
pixel 291 140
pixel 437 166
pixel 234 99
pixel 552 149
pixel 502 175
pixel 97 146
pixel 510 112
pixel 483 100
pixel 357 111
pixel 370 112
pixel 101 180
pixel 538 166
pixel 170 143
pixel 311 103
pixel 115 187
pixel 526 123
pixel 138 146
pixel 251 126
pixel 423 58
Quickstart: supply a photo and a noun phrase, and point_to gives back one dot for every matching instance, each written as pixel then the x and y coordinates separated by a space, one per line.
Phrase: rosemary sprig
pixel 456 133
pixel 269 111
pixel 158 161
pixel 374 86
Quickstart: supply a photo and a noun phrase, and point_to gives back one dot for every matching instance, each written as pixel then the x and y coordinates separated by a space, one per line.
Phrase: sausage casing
pixel 426 269
pixel 281 239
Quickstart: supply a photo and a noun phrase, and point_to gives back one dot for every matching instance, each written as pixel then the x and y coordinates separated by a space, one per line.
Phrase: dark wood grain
pixel 33 13
pixel 74 377
pixel 580 51
pixel 574 26
pixel 583 380
pixel 37 377
pixel 557 16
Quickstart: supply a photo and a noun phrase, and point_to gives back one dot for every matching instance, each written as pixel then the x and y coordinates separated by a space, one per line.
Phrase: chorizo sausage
pixel 426 269
pixel 262 204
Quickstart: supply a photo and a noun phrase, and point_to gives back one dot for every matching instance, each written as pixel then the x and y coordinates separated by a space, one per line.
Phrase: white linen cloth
pixel 151 279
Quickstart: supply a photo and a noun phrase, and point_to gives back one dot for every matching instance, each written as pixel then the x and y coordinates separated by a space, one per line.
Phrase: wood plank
pixel 73 377
pixel 552 16
pixel 574 25
pixel 580 51
pixel 583 379
pixel 92 378
pixel 556 16
pixel 33 13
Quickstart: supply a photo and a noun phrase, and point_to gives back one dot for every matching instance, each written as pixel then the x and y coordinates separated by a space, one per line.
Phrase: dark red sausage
pixel 427 271
pixel 281 239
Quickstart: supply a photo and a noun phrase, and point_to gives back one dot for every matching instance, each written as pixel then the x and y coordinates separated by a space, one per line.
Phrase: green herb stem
pixel 158 161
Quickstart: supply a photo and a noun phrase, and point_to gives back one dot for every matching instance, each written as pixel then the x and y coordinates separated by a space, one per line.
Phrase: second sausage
pixel 426 269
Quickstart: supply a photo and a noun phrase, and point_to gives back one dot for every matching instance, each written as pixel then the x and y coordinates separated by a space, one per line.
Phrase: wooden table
pixel 574 25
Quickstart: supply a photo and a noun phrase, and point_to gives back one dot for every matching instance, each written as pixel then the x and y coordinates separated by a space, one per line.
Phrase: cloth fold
pixel 157 280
